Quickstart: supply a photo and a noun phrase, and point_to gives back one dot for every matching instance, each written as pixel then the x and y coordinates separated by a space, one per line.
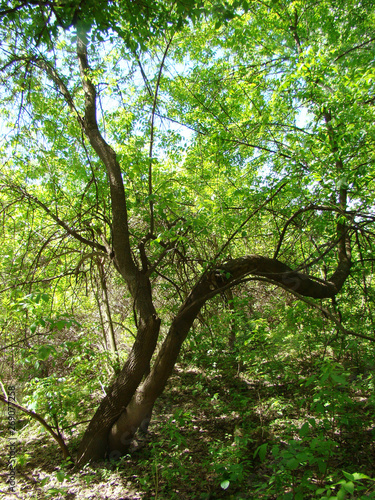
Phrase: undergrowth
pixel 305 432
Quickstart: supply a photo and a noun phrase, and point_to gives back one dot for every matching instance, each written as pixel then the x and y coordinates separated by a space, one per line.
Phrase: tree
pixel 276 102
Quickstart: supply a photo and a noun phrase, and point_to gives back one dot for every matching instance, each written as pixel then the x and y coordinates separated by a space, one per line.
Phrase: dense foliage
pixel 192 179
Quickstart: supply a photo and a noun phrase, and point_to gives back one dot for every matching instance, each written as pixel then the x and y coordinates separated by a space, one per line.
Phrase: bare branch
pixel 254 212
pixel 151 201
pixel 72 232
pixel 54 76
pixel 299 212
pixel 57 437
pixel 356 47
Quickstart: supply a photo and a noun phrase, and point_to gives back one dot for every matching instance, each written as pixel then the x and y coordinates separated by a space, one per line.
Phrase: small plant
pixel 231 474
pixel 22 459
pixel 231 459
pixel 55 491
pixel 356 485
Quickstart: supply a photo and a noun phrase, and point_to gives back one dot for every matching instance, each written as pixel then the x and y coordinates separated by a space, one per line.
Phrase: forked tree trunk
pixel 138 412
pixel 94 444
pixel 129 401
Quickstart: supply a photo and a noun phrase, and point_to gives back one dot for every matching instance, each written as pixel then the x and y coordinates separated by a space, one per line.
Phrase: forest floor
pixel 215 436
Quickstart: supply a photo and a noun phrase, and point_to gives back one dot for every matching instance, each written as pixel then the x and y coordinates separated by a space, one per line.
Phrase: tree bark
pixel 140 407
pixel 94 443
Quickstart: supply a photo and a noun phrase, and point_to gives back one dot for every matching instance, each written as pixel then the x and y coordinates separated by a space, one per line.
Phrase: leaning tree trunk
pixel 128 405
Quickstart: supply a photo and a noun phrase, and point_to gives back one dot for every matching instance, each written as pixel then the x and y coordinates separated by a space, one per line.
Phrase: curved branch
pixel 57 437
pixel 226 276
pixel 120 230
pixel 230 274
pixel 265 267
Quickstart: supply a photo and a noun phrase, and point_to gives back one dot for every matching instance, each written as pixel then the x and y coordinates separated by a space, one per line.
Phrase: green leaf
pixel 225 484
pixel 304 430
pixel 60 476
pixel 341 494
pixel 349 486
pixel 288 496
pixel 292 464
pixel 60 325
pixel 261 451
pixel 348 476
pixel 338 378
pixel 310 380
pixel 322 466
pixel 44 351
pixel 357 476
